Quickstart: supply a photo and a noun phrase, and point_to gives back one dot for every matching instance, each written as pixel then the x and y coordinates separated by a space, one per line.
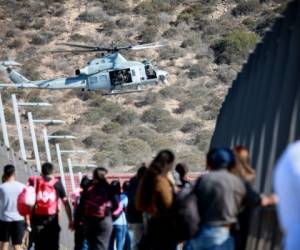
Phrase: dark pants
pixel 118 236
pixel 159 236
pixel 80 238
pixel 12 231
pixel 98 232
pixel 46 235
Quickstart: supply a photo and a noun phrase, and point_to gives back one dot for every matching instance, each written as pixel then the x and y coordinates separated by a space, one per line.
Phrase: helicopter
pixel 112 73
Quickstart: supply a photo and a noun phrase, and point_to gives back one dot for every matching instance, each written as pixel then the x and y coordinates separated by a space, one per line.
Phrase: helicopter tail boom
pixel 14 76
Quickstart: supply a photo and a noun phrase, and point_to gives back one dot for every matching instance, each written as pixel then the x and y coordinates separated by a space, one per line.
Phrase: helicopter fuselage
pixel 110 73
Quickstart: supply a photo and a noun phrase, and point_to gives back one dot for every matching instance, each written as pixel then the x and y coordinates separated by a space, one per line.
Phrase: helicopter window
pixel 120 76
pixel 150 73
pixel 133 72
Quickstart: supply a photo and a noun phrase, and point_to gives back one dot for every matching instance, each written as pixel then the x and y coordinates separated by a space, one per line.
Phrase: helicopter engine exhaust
pixel 77 72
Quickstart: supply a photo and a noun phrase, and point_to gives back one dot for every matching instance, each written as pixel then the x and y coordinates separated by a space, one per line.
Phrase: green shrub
pixel 16 43
pixel 246 7
pixel 142 132
pixel 153 7
pixel 161 119
pixel 202 140
pixel 109 159
pixel 250 24
pixel 101 141
pixel 193 158
pixel 107 109
pixel 193 13
pixel 127 118
pixel 162 142
pixel 9 115
pixel 112 128
pixel 150 99
pixel 173 92
pixel 42 38
pixel 191 126
pixel 148 33
pixel 234 47
pixel 135 151
pixel 170 33
pixel 189 104
pixel 196 70
pixel 114 7
pixel 91 15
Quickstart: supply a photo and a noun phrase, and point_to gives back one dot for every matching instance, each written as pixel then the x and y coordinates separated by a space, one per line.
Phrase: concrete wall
pixel 262 112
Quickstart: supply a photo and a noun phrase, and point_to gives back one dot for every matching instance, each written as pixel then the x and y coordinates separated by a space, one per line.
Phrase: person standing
pixel 12 224
pixel 79 218
pixel 134 217
pixel 155 197
pixel 45 223
pixel 220 195
pixel 287 187
pixel 120 227
pixel 98 205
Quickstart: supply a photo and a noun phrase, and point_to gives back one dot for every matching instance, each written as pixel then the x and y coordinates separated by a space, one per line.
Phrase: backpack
pixel 46 197
pixel 26 200
pixel 187 218
pixel 96 201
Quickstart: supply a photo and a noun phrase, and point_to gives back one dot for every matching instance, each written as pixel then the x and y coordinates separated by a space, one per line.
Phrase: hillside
pixel 208 41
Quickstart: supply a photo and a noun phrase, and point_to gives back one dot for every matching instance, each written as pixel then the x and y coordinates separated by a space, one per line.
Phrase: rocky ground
pixel 207 43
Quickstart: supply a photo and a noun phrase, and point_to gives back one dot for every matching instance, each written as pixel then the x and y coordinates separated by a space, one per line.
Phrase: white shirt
pixel 122 218
pixel 287 187
pixel 9 192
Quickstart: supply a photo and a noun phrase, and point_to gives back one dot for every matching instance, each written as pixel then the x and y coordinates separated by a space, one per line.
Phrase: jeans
pixel 212 238
pixel 135 232
pixel 80 239
pixel 118 236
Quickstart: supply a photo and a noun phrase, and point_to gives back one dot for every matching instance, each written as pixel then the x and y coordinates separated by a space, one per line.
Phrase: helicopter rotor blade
pixel 147 46
pixel 92 47
pixel 71 51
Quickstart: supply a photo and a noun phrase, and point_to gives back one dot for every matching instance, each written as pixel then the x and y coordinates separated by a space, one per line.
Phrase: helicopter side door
pixel 99 81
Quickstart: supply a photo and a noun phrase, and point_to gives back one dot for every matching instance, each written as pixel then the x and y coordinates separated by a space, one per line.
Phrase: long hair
pixel 243 167
pixel 161 165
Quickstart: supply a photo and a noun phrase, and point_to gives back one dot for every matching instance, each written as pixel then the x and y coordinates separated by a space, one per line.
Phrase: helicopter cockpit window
pixel 118 77
pixel 133 72
pixel 150 73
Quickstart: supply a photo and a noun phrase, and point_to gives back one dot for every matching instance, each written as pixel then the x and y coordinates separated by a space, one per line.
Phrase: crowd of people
pixel 157 209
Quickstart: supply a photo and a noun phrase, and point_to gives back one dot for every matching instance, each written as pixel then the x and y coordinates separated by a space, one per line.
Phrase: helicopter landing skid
pixel 123 92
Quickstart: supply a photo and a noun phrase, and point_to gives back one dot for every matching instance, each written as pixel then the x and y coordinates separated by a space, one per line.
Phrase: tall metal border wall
pixel 262 112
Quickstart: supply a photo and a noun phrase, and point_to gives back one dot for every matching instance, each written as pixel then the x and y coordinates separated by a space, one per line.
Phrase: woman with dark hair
pixel 79 218
pixel 155 197
pixel 98 204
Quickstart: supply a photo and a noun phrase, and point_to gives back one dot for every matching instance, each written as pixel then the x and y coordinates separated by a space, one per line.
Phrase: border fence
pixel 262 112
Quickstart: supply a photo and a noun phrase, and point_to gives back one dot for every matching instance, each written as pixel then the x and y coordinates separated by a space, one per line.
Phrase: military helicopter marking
pixel 112 72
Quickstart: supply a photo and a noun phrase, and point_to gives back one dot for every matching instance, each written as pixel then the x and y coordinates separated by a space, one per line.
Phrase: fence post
pixel 3 124
pixel 34 142
pixel 19 128
pixel 47 146
pixel 71 175
pixel 61 167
